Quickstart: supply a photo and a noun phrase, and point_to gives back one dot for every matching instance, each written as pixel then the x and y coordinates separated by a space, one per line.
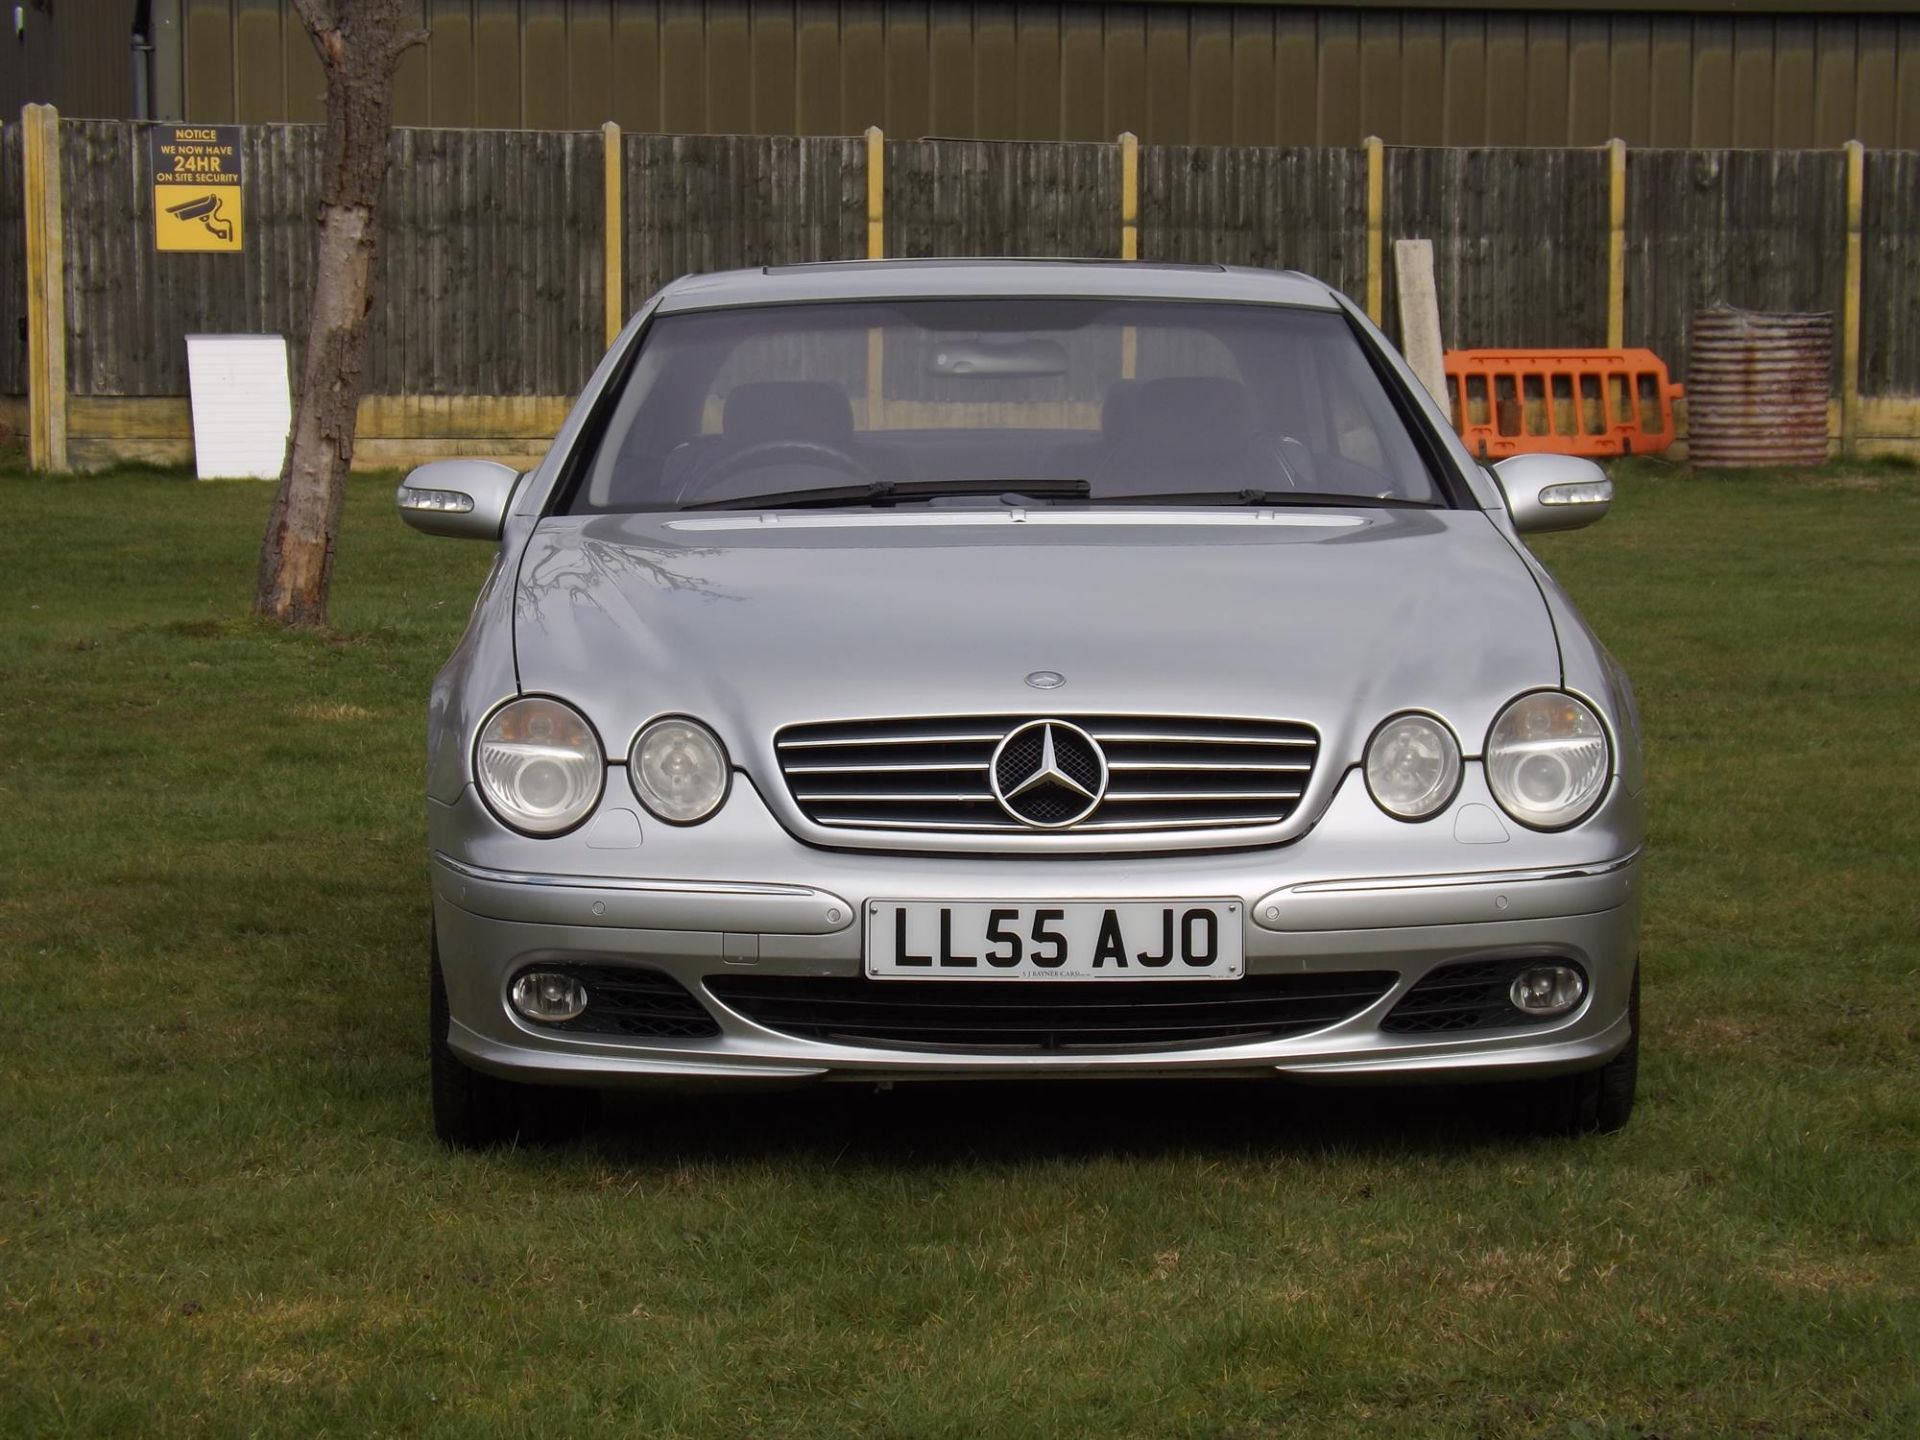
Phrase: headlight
pixel 1413 766
pixel 1547 760
pixel 539 765
pixel 678 770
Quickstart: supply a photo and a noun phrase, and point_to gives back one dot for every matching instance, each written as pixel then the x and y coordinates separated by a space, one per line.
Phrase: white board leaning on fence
pixel 1420 339
pixel 242 405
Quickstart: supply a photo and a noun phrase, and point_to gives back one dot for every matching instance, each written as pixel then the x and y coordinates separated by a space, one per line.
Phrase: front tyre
pixel 1593 1102
pixel 473 1110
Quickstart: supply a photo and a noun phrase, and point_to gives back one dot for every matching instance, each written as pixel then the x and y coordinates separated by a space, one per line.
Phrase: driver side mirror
pixel 1553 492
pixel 466 499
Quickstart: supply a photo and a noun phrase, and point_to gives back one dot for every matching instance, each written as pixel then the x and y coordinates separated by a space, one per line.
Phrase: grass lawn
pixel 221 1210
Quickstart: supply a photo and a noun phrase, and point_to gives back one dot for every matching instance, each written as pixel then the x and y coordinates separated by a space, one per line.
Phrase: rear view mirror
pixel 466 499
pixel 989 355
pixel 1553 492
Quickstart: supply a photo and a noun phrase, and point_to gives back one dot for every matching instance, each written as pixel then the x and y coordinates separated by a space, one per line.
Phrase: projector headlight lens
pixel 539 765
pixel 678 770
pixel 1547 760
pixel 1413 766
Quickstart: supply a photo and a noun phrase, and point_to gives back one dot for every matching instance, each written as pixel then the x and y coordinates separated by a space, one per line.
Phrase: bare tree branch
pixel 411 38
pixel 316 15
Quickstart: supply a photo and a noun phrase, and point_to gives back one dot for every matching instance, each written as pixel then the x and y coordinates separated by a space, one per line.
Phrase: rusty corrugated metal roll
pixel 1757 388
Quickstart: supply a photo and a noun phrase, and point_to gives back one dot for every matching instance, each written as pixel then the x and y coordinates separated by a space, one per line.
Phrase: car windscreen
pixel 1082 400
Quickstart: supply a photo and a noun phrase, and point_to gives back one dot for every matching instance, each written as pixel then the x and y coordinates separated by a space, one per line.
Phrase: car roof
pixel 962 279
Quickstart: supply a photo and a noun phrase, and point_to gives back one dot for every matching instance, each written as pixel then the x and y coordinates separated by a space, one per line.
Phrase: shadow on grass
pixel 1014 1122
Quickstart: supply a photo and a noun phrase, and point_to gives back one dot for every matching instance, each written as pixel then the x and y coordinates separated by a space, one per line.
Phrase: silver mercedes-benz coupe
pixel 940 670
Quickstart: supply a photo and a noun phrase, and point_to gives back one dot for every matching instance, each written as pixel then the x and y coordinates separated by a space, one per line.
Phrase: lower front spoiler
pixel 1554 1057
pixel 1518 1061
pixel 481 953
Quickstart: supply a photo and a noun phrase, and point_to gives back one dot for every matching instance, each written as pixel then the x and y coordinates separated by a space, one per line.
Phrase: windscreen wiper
pixel 1262 497
pixel 880 492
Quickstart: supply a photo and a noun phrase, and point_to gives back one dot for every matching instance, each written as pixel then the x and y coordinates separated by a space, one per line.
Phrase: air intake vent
pixel 1050 1015
pixel 1150 772
pixel 642 1004
pixel 1469 996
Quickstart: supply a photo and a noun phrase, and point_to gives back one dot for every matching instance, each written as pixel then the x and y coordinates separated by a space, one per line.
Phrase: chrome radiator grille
pixel 1161 772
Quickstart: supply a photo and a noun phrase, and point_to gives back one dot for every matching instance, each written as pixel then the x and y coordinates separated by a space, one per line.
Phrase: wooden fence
pixel 1890 273
pixel 501 247
pixel 489 280
pixel 984 197
pixel 719 202
pixel 13 265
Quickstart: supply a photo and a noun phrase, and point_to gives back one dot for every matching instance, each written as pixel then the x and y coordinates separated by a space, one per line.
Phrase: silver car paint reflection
pixel 1337 619
pixel 766 625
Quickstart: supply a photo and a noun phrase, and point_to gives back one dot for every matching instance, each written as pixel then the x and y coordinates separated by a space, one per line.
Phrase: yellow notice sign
pixel 196 187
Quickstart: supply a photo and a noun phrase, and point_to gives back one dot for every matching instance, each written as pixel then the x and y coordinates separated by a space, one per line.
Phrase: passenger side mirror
pixel 1553 492
pixel 466 499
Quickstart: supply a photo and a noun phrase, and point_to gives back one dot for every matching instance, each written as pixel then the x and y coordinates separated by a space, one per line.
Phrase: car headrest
pixel 764 410
pixel 1119 419
pixel 1213 410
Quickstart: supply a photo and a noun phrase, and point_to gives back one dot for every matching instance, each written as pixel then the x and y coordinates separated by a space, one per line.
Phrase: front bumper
pixel 1359 892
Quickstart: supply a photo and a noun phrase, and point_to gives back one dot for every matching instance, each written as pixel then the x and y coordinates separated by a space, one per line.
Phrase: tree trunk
pixel 360 43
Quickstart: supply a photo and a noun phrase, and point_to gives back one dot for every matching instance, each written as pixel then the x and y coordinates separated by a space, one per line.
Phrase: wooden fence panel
pixel 982 198
pixel 120 293
pixel 1282 209
pixel 1890 274
pixel 1759 229
pixel 720 202
pixel 492 267
pixel 1519 242
pixel 488 280
pixel 129 307
pixel 13 264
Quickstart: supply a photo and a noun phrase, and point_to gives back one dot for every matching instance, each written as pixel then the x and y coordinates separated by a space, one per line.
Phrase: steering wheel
pixel 773 452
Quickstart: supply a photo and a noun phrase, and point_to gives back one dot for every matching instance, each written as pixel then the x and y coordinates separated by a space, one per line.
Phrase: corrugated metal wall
pixel 1239 74
pixel 76 56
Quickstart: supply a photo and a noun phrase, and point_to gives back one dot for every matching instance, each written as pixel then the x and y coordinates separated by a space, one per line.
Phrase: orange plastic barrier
pixel 1570 402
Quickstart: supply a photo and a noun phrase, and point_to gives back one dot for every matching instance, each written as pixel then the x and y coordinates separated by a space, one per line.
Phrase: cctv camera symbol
pixel 207 211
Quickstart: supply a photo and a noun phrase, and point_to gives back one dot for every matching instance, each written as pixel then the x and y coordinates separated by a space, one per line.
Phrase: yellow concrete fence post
pixel 1376 229
pixel 876 193
pixel 875 417
pixel 616 230
pixel 1850 304
pixel 46 289
pixel 1616 244
pixel 1129 240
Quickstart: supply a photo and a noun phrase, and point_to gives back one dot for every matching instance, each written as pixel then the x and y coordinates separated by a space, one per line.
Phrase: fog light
pixel 1547 990
pixel 547 995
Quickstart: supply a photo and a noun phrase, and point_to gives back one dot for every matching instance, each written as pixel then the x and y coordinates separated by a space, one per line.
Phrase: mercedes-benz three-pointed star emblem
pixel 1049 774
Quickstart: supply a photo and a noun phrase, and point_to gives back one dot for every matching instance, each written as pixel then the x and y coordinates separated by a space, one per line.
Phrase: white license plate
pixel 1062 940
